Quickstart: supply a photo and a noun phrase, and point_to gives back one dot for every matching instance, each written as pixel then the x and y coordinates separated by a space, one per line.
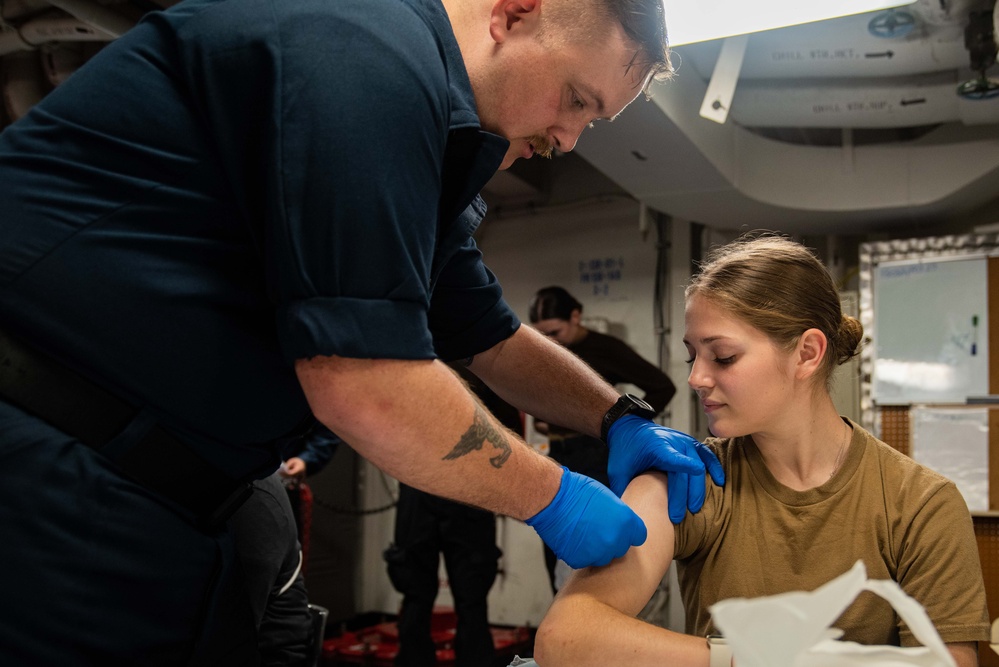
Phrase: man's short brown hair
pixel 642 20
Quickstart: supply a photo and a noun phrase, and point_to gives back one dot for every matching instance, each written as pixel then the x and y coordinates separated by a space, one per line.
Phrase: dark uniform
pixel 229 187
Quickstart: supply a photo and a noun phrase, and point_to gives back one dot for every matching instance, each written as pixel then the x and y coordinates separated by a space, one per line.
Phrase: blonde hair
pixel 779 287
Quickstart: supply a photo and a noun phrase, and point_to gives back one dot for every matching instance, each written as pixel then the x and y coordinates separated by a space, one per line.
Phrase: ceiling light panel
pixel 688 22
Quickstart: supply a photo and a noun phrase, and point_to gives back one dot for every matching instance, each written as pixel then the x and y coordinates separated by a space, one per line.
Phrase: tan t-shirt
pixel 755 536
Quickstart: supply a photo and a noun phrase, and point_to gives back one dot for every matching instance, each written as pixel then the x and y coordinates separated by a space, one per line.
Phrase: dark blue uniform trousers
pixel 99 571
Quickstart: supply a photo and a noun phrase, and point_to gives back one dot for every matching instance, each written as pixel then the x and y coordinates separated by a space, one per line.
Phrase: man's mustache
pixel 541 146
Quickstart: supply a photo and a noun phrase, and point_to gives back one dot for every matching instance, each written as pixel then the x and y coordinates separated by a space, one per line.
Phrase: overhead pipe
pixel 97 15
pixel 52 28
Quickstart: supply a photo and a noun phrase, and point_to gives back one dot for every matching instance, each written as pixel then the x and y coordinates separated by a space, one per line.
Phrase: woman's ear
pixel 811 350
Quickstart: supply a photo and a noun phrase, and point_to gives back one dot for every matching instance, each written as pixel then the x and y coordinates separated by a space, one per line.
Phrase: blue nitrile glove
pixel 585 524
pixel 637 445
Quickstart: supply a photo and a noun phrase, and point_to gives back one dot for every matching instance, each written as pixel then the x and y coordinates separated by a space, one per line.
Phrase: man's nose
pixel 566 136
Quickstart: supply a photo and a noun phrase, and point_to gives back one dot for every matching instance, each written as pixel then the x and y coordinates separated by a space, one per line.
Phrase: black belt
pixel 80 408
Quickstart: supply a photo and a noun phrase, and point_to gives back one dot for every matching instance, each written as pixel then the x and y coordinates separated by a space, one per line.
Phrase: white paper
pixel 792 629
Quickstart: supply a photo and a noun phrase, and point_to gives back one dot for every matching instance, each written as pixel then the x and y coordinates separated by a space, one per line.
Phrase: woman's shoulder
pixel 903 475
pixel 893 459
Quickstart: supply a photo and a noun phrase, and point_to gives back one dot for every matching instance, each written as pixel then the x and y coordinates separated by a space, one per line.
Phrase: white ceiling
pixel 849 125
pixel 835 127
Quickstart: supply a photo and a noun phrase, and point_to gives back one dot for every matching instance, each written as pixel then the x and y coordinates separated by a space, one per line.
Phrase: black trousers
pixel 99 571
pixel 425 527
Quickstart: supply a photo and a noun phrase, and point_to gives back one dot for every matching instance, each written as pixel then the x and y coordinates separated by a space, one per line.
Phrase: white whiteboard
pixel 930 331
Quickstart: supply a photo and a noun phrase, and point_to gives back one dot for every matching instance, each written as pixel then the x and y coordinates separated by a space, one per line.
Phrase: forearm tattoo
pixel 479 432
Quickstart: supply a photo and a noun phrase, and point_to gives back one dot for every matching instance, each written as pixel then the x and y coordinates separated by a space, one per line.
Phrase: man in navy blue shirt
pixel 245 211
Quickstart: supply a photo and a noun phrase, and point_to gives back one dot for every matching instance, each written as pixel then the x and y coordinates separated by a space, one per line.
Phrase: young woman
pixel 807 492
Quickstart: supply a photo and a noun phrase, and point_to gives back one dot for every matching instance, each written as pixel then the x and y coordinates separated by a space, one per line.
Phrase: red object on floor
pixel 305 522
pixel 378 645
pixel 375 645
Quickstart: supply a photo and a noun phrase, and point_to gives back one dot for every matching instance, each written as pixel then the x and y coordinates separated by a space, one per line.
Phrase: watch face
pixel 631 404
pixel 639 402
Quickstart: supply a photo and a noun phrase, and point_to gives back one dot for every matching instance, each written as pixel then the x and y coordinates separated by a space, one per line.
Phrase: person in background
pixel 304 456
pixel 307 455
pixel 427 526
pixel 557 314
pixel 270 561
pixel 242 215
pixel 809 492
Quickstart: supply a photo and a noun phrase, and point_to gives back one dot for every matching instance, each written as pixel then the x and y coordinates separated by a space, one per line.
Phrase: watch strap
pixel 721 654
pixel 625 405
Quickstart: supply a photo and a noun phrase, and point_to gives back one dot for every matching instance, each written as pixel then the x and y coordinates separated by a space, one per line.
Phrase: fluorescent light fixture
pixel 689 21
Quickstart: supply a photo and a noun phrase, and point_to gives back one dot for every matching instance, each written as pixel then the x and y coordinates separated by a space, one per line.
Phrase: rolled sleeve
pixel 468 314
pixel 351 202
pixel 356 328
pixel 354 239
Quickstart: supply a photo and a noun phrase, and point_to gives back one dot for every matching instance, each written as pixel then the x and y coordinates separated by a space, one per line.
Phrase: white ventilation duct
pixel 859 103
pixel 899 176
pixel 727 176
pixel 845 48
pixel 899 68
pixel 852 46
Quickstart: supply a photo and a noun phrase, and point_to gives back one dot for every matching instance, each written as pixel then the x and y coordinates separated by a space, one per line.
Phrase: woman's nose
pixel 697 379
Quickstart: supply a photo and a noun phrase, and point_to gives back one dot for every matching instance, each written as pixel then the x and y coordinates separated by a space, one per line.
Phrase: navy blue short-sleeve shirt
pixel 236 184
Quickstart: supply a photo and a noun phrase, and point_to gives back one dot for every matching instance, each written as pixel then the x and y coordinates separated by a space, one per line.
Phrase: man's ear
pixel 506 15
pixel 812 349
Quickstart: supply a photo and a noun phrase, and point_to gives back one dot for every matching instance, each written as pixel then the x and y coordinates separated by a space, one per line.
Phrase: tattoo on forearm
pixel 479 432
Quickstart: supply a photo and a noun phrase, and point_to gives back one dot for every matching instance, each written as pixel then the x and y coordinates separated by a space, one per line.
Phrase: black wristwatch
pixel 629 404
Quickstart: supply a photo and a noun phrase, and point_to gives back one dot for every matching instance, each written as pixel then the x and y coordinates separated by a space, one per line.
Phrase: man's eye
pixel 576 102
